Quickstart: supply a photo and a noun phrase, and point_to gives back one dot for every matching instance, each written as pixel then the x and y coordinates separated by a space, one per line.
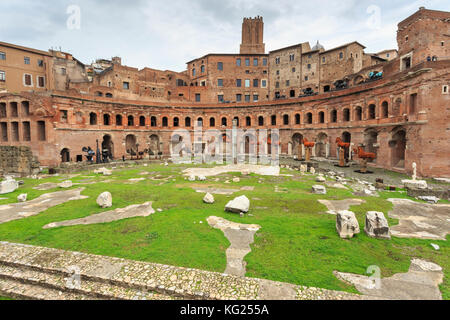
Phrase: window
pixel 278 72
pixel 387 55
pixel 247 62
pixel 142 121
pixel 255 98
pixel 291 57
pixel 346 114
pixel 130 121
pixel 385 109
pixel 126 85
pixel 372 113
pixel 202 69
pixel 165 122
pixel 238 97
pixel 309 66
pixel 106 119
pixel 238 83
pixel 263 83
pixel 176 122
pixel 277 60
pixel 118 120
pixel 220 82
pixel 2 76
pixel 27 80
pixel 277 84
pixel 193 72
pixel 247 83
pixel 41 82
pixel 333 116
pixel 273 120
pixel 238 62
pixel 153 122
pixel 224 121
pixel 285 119
pixel 255 62
pixel 326 88
pixel 306 78
pixel 187 122
pixel 297 118
pixel 248 121
pixel 293 69
pixel 2 56
pixel 40 63
pixel 197 97
pixel 323 59
pixel 292 93
pixel 41 130
pixel 412 103
pixel 220 66
pixel 341 55
pixel 25 108
pixel 63 71
pixel 247 98
pixel 220 97
pixel 212 122
pixel 108 95
pixel 264 61
pixel 309 118
pixel 255 83
pixel 26 60
pixel 287 83
pixel 260 121
pixel 63 115
pixel 92 119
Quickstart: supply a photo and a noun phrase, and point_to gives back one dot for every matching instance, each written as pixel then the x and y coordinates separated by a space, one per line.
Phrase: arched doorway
pixel 131 145
pixel 154 145
pixel 321 145
pixel 297 139
pixel 65 155
pixel 398 148
pixel 107 145
pixel 346 137
pixel 371 140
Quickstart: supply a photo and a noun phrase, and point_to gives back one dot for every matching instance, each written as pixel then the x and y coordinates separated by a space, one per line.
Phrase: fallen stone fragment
pixel 318 189
pixel 201 178
pixel 135 210
pixel 236 180
pixel 419 184
pixel 104 200
pixel 191 178
pixel 435 246
pixel 429 199
pixel 22 197
pixel 8 185
pixel 377 225
pixel 65 184
pixel 312 170
pixel 320 179
pixel 208 198
pixel 346 224
pixel 238 205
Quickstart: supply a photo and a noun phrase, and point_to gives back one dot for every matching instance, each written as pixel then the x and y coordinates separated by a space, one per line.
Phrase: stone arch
pixel 142 121
pixel 224 121
pixel 212 122
pixel 371 111
pixel 106 119
pixel 107 145
pixel 297 118
pixel 130 121
pixel 371 140
pixel 154 145
pixel 321 117
pixel 65 155
pixel 358 113
pixel 346 114
pixel 333 115
pixel 322 145
pixel 260 121
pixel 131 144
pixel 398 147
pixel 119 120
pixel 309 118
pixel 297 149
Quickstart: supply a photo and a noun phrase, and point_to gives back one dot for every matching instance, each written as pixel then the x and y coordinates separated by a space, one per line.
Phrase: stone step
pixel 25 291
pixel 86 288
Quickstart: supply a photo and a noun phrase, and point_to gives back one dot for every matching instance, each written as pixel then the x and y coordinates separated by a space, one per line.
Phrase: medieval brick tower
pixel 252 36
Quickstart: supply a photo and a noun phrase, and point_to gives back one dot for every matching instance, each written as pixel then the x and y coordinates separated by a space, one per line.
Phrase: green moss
pixel 297 242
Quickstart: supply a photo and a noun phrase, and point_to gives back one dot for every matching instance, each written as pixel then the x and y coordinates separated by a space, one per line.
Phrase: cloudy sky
pixel 164 34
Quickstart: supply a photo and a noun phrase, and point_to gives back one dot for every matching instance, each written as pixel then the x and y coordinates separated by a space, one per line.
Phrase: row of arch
pixel 247 121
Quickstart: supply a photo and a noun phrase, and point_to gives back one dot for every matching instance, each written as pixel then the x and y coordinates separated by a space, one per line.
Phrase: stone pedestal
pixel 415 184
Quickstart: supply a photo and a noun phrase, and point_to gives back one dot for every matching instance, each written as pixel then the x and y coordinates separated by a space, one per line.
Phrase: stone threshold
pixel 31 272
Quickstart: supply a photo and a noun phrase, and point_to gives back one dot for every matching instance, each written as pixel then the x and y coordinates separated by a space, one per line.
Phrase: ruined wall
pixel 17 161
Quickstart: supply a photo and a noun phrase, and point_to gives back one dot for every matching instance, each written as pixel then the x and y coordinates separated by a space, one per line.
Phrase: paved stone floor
pixel 337 205
pixel 15 211
pixel 241 236
pixel 43 273
pixel 243 168
pixel 420 220
pixel 421 282
pixel 136 210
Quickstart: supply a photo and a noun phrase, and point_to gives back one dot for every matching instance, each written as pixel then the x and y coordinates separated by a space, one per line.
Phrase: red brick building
pixel 402 116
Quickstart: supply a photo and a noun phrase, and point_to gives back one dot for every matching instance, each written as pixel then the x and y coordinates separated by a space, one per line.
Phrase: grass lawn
pixel 297 242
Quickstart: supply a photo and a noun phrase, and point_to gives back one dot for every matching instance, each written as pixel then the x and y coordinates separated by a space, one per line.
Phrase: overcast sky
pixel 165 34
